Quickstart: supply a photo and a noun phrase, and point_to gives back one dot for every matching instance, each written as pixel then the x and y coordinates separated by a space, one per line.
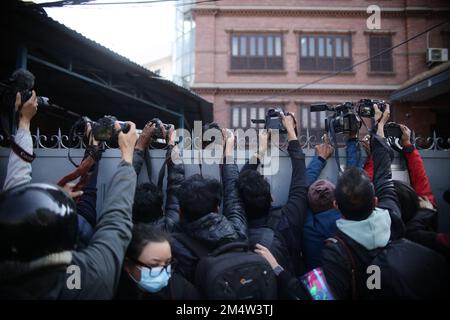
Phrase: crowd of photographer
pixel 367 237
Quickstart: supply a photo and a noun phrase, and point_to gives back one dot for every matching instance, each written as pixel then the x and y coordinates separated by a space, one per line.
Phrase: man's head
pixel 321 196
pixel 148 201
pixel 408 200
pixel 355 195
pixel 199 196
pixel 254 191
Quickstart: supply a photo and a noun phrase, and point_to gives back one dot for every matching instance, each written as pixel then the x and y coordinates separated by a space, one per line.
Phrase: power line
pixel 342 70
pixel 88 3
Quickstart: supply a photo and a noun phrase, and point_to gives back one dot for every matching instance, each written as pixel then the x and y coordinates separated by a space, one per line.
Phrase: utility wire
pixel 88 3
pixel 342 70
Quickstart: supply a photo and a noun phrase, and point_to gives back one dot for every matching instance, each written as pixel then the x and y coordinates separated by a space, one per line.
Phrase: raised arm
pixel 142 144
pixel 19 170
pixel 295 208
pixel 101 261
pixel 318 162
pixel 382 158
pixel 416 168
pixel 175 176
pixel 233 207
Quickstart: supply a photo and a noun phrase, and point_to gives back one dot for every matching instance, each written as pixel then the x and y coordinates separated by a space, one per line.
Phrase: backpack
pixel 408 270
pixel 231 272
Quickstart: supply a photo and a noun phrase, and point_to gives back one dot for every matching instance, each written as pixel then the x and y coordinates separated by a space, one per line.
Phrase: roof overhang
pixel 425 86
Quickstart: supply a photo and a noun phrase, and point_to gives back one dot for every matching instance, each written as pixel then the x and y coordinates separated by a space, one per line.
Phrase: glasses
pixel 157 270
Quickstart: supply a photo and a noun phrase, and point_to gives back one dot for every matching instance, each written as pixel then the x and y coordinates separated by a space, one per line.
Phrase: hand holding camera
pixel 228 141
pixel 171 135
pixel 289 123
pixel 26 111
pixel 146 137
pixel 127 140
pixel 406 135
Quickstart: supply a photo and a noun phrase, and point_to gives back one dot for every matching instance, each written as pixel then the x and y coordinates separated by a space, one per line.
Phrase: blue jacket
pixel 319 227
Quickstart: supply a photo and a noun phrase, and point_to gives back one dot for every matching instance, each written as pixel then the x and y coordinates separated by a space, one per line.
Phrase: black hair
pixel 148 201
pixel 254 191
pixel 142 235
pixel 446 195
pixel 355 194
pixel 408 200
pixel 198 196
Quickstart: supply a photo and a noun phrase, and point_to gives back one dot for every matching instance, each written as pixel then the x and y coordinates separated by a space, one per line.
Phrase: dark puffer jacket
pixel 214 229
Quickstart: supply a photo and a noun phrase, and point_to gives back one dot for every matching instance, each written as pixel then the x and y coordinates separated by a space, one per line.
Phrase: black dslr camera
pixel 342 119
pixel 103 129
pixel 392 130
pixel 365 107
pixel 21 81
pixel 273 120
pixel 160 136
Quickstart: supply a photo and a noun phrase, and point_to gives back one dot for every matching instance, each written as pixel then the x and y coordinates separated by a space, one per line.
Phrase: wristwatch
pixel 277 270
pixel 408 148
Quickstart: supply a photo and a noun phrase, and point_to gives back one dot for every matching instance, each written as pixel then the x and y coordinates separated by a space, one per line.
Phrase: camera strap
pixel 18 150
pixel 82 172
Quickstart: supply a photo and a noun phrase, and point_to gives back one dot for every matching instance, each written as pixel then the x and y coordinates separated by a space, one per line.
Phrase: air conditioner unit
pixel 437 55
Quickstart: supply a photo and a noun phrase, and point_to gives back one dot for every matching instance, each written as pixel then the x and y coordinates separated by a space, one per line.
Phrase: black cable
pixel 345 69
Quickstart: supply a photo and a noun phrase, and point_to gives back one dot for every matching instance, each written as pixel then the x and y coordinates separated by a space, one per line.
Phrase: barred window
pixel 314 122
pixel 241 116
pixel 383 62
pixel 325 52
pixel 256 52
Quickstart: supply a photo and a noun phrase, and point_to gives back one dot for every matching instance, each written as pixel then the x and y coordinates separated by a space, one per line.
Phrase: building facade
pixel 162 67
pixel 254 54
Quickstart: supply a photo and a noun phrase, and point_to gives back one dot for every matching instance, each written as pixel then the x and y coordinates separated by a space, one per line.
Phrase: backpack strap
pixel 193 245
pixel 350 257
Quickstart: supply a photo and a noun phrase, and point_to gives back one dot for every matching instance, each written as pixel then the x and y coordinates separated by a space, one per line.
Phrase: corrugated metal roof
pixel 43 16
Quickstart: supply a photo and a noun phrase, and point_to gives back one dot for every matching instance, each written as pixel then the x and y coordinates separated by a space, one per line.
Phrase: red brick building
pixel 248 50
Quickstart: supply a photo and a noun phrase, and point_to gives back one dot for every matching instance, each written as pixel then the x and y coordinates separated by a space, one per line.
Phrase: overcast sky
pixel 142 33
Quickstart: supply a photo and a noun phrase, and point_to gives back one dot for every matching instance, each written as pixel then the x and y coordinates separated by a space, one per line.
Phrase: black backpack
pixel 408 270
pixel 231 272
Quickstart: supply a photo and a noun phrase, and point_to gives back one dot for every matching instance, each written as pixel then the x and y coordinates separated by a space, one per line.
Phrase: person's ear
pixel 217 209
pixel 335 205
pixel 375 202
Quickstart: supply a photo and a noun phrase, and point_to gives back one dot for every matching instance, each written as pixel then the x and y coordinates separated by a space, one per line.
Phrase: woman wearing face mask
pixel 149 272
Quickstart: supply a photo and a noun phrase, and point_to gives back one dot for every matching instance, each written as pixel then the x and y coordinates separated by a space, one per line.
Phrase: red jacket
pixel 417 175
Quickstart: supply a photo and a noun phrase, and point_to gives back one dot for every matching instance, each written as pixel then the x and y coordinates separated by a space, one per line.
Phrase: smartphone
pixel 316 284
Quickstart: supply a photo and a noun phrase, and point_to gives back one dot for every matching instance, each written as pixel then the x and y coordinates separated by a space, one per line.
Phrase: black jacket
pixel 175 176
pixel 422 229
pixel 260 232
pixel 335 260
pixel 178 288
pixel 292 214
pixel 214 229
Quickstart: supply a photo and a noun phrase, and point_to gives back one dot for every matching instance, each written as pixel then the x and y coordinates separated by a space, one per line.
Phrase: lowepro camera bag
pixel 231 272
